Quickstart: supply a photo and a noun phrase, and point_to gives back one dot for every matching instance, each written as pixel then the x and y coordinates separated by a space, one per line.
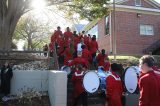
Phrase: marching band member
pixel 56 34
pixel 103 60
pixel 60 42
pixel 67 55
pixel 149 83
pixel 101 57
pixel 86 41
pixel 93 48
pixel 106 65
pixel 85 53
pixel 68 34
pixel 76 40
pixel 51 47
pixel 114 87
pixel 79 60
pixel 79 92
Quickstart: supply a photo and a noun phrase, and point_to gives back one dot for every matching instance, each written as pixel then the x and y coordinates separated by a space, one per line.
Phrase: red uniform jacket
pixel 60 43
pixel 51 45
pixel 86 54
pixel 100 58
pixel 114 90
pixel 77 80
pixel 67 56
pixel 106 66
pixel 79 60
pixel 67 42
pixel 55 35
pixel 93 46
pixel 86 41
pixel 53 38
pixel 149 86
pixel 68 35
pixel 155 68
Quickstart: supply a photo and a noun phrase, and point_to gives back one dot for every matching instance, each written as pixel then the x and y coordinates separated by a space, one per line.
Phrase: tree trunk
pixel 10 13
pixel 6 34
pixel 29 42
pixel 5 38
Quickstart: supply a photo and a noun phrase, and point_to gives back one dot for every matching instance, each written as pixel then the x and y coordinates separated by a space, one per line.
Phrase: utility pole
pixel 114 30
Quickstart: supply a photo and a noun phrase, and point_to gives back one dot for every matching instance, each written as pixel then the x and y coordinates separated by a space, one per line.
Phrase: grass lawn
pixel 133 59
pixel 123 57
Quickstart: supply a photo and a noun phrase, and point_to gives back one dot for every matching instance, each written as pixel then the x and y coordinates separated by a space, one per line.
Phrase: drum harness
pixel 110 74
pixel 82 73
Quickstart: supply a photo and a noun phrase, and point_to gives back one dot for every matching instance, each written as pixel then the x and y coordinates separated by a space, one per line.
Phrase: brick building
pixel 137 27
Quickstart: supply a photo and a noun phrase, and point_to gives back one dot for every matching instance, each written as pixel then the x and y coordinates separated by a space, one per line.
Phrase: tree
pixel 32 31
pixel 88 9
pixel 10 13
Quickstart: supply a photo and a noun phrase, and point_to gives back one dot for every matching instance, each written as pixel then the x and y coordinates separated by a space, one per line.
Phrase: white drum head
pixel 131 79
pixel 66 69
pixel 91 82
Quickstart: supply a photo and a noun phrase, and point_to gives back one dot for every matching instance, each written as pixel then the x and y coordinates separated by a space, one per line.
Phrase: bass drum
pixel 91 82
pixel 66 69
pixel 130 79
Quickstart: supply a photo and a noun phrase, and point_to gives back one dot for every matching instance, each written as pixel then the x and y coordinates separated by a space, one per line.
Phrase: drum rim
pixel 123 77
pixel 98 80
pixel 65 71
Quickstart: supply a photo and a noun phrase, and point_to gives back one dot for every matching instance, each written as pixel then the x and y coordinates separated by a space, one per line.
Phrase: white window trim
pixel 109 18
pixel 137 4
pixel 145 27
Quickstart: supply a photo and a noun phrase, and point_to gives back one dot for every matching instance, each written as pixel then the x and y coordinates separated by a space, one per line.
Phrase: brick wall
pixel 128 35
pixel 103 40
pixel 129 40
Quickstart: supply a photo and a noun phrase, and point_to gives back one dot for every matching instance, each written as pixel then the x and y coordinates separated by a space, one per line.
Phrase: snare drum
pixel 102 77
pixel 130 79
pixel 66 69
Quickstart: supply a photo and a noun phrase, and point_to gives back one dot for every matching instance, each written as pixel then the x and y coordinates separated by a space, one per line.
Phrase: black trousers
pixel 82 97
pixel 94 59
pixel 5 86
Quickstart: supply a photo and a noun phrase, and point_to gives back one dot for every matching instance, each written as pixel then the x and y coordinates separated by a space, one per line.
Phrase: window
pixel 146 30
pixel 107 25
pixel 137 2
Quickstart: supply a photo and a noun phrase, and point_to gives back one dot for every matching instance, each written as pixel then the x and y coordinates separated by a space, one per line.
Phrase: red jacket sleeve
pixel 71 63
pixel 98 57
pixel 110 85
pixel 144 92
pixel 97 45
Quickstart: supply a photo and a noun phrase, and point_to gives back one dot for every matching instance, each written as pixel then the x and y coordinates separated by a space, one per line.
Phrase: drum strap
pixel 117 79
pixel 76 74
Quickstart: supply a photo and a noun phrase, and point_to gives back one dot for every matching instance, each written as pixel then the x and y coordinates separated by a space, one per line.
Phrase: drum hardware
pixel 66 69
pixel 130 80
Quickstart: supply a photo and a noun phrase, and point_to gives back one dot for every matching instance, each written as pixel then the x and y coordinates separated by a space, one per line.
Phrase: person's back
pixel 85 53
pixel 114 90
pixel 149 86
pixel 149 82
pixel 93 46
